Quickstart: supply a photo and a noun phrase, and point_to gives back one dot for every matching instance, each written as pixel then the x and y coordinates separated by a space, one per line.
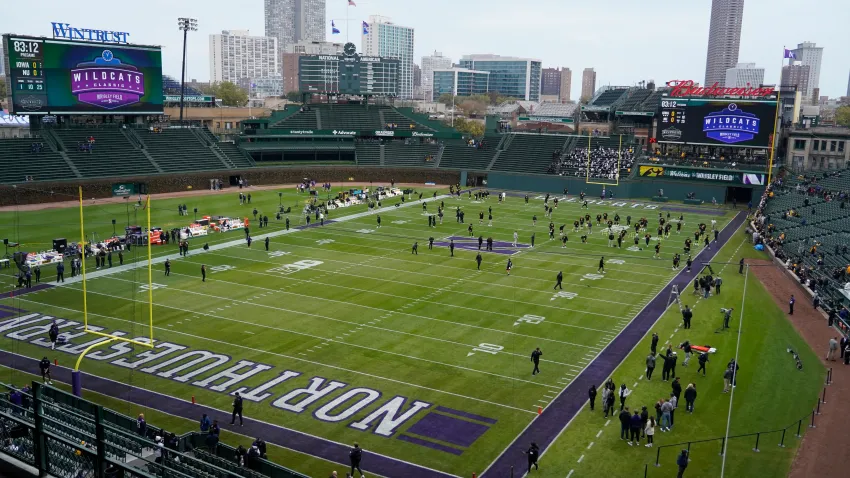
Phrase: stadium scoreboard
pixel 51 76
pixel 716 122
pixel 350 73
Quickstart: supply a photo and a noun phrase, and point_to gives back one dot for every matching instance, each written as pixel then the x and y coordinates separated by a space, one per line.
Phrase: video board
pixel 47 76
pixel 742 123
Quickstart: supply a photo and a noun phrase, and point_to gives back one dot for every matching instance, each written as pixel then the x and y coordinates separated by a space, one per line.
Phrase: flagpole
pixel 775 121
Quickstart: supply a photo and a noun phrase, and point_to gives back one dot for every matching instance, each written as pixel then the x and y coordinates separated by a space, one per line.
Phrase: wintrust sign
pixel 687 88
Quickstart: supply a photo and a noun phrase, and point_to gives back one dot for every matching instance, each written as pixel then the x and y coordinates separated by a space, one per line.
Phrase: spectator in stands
pixel 212 438
pixel 261 446
pixel 205 423
pixel 239 455
pixel 142 425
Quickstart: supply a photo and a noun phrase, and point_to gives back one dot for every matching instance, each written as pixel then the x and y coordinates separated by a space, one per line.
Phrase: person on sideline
pixel 833 346
pixel 650 431
pixel 592 396
pixel 682 461
pixel 690 397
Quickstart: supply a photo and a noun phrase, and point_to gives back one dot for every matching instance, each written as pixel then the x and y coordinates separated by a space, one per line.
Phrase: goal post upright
pixel 76 381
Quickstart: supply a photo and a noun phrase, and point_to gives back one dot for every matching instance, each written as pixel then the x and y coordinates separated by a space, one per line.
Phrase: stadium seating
pixel 179 150
pixel 457 154
pixel 608 97
pixel 298 119
pixel 238 157
pixel 529 153
pixel 113 154
pixel 368 153
pixel 635 99
pixel 399 154
pixel 349 117
pixel 17 162
pixel 402 122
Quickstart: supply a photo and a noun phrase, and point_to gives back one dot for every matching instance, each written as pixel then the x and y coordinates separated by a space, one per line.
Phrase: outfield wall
pixel 32 193
pixel 638 188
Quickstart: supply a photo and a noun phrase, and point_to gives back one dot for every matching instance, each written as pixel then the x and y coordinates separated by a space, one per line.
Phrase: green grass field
pixel 358 321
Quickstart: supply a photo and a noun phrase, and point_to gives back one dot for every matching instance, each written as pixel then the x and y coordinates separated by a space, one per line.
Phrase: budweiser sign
pixel 688 88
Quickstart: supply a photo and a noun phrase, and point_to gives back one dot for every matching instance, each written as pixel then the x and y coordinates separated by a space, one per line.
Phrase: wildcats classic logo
pixel 107 83
pixel 731 125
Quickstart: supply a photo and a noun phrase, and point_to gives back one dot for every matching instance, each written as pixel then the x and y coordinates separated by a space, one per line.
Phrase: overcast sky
pixel 624 40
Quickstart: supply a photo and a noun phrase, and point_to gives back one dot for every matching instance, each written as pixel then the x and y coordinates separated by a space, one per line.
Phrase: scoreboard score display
pixel 48 76
pixel 716 122
pixel 350 74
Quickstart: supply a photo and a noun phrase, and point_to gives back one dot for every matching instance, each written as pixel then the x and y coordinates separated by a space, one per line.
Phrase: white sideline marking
pixel 580 458
pixel 598 433
pixel 588 446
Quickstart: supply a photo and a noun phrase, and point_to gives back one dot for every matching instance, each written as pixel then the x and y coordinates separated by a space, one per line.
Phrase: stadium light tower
pixel 186 25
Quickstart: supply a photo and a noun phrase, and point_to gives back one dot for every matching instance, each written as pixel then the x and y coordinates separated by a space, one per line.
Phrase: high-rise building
pixel 417 76
pixel 460 82
pixel 235 54
pixel 2 61
pixel 810 55
pixel 588 83
pixel 566 85
pixel 435 61
pixel 289 70
pixel 743 75
pixel 310 47
pixel 382 37
pixel 551 82
pixel 291 21
pixel 510 76
pixel 724 39
pixel 848 85
pixel 796 75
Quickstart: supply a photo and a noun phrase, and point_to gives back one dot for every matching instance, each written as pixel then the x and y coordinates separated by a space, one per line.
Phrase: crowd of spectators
pixel 704 160
pixel 603 163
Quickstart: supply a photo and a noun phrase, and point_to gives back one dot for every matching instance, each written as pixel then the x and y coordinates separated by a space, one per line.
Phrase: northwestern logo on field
pixel 107 82
pixel 673 133
pixel 731 125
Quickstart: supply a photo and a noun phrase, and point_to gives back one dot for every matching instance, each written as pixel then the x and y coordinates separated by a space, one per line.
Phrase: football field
pixel 341 333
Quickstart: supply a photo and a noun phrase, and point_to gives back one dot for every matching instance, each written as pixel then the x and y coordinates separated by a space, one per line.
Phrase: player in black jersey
pixel 601 265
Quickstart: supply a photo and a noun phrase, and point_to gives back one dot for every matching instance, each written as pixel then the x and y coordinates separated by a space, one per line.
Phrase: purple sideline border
pixel 294 440
pixel 546 427
pixel 468 415
pixel 428 444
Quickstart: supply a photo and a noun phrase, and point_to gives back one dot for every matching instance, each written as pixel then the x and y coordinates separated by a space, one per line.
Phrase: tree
pixel 294 96
pixel 230 94
pixel 842 116
pixel 584 100
pixel 473 105
pixel 470 127
pixel 2 90
pixel 446 99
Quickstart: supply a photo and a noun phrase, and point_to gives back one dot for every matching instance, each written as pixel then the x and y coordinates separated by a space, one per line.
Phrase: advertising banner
pixel 697 174
pixel 123 189
pixel 745 123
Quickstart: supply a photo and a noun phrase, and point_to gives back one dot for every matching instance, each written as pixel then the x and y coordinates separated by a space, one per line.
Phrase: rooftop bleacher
pixel 18 161
pixel 608 97
pixel 635 99
pixel 556 109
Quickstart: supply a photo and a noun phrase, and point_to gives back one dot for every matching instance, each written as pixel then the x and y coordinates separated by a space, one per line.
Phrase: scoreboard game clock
pixel 716 122
pixel 58 76
pixel 26 74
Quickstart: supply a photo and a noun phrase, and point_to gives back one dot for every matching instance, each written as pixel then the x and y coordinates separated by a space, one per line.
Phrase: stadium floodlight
pixel 186 25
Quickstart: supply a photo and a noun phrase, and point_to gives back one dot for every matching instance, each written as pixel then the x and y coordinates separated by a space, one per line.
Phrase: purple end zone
pixel 435 446
pixel 468 415
pixel 546 427
pixel 307 444
pixel 471 244
pixel 35 288
pixel 450 430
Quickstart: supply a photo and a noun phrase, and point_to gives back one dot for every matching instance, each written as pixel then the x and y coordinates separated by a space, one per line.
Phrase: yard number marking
pixel 400 222
pixel 565 295
pixel 295 267
pixel 365 231
pixel 633 248
pixel 616 261
pixel 592 277
pixel 153 286
pixel 279 253
pixel 530 319
pixel 322 242
pixel 222 268
pixel 487 348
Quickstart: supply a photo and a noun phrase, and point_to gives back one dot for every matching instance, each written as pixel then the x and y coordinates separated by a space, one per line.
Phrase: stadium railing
pixel 64 435
pixel 776 439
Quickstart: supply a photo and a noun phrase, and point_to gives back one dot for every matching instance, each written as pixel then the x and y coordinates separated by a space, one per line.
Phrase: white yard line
pixel 291 357
pixel 340 339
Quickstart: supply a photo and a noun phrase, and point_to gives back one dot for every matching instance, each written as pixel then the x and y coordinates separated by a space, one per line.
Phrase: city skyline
pixel 724 39
pixel 661 60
